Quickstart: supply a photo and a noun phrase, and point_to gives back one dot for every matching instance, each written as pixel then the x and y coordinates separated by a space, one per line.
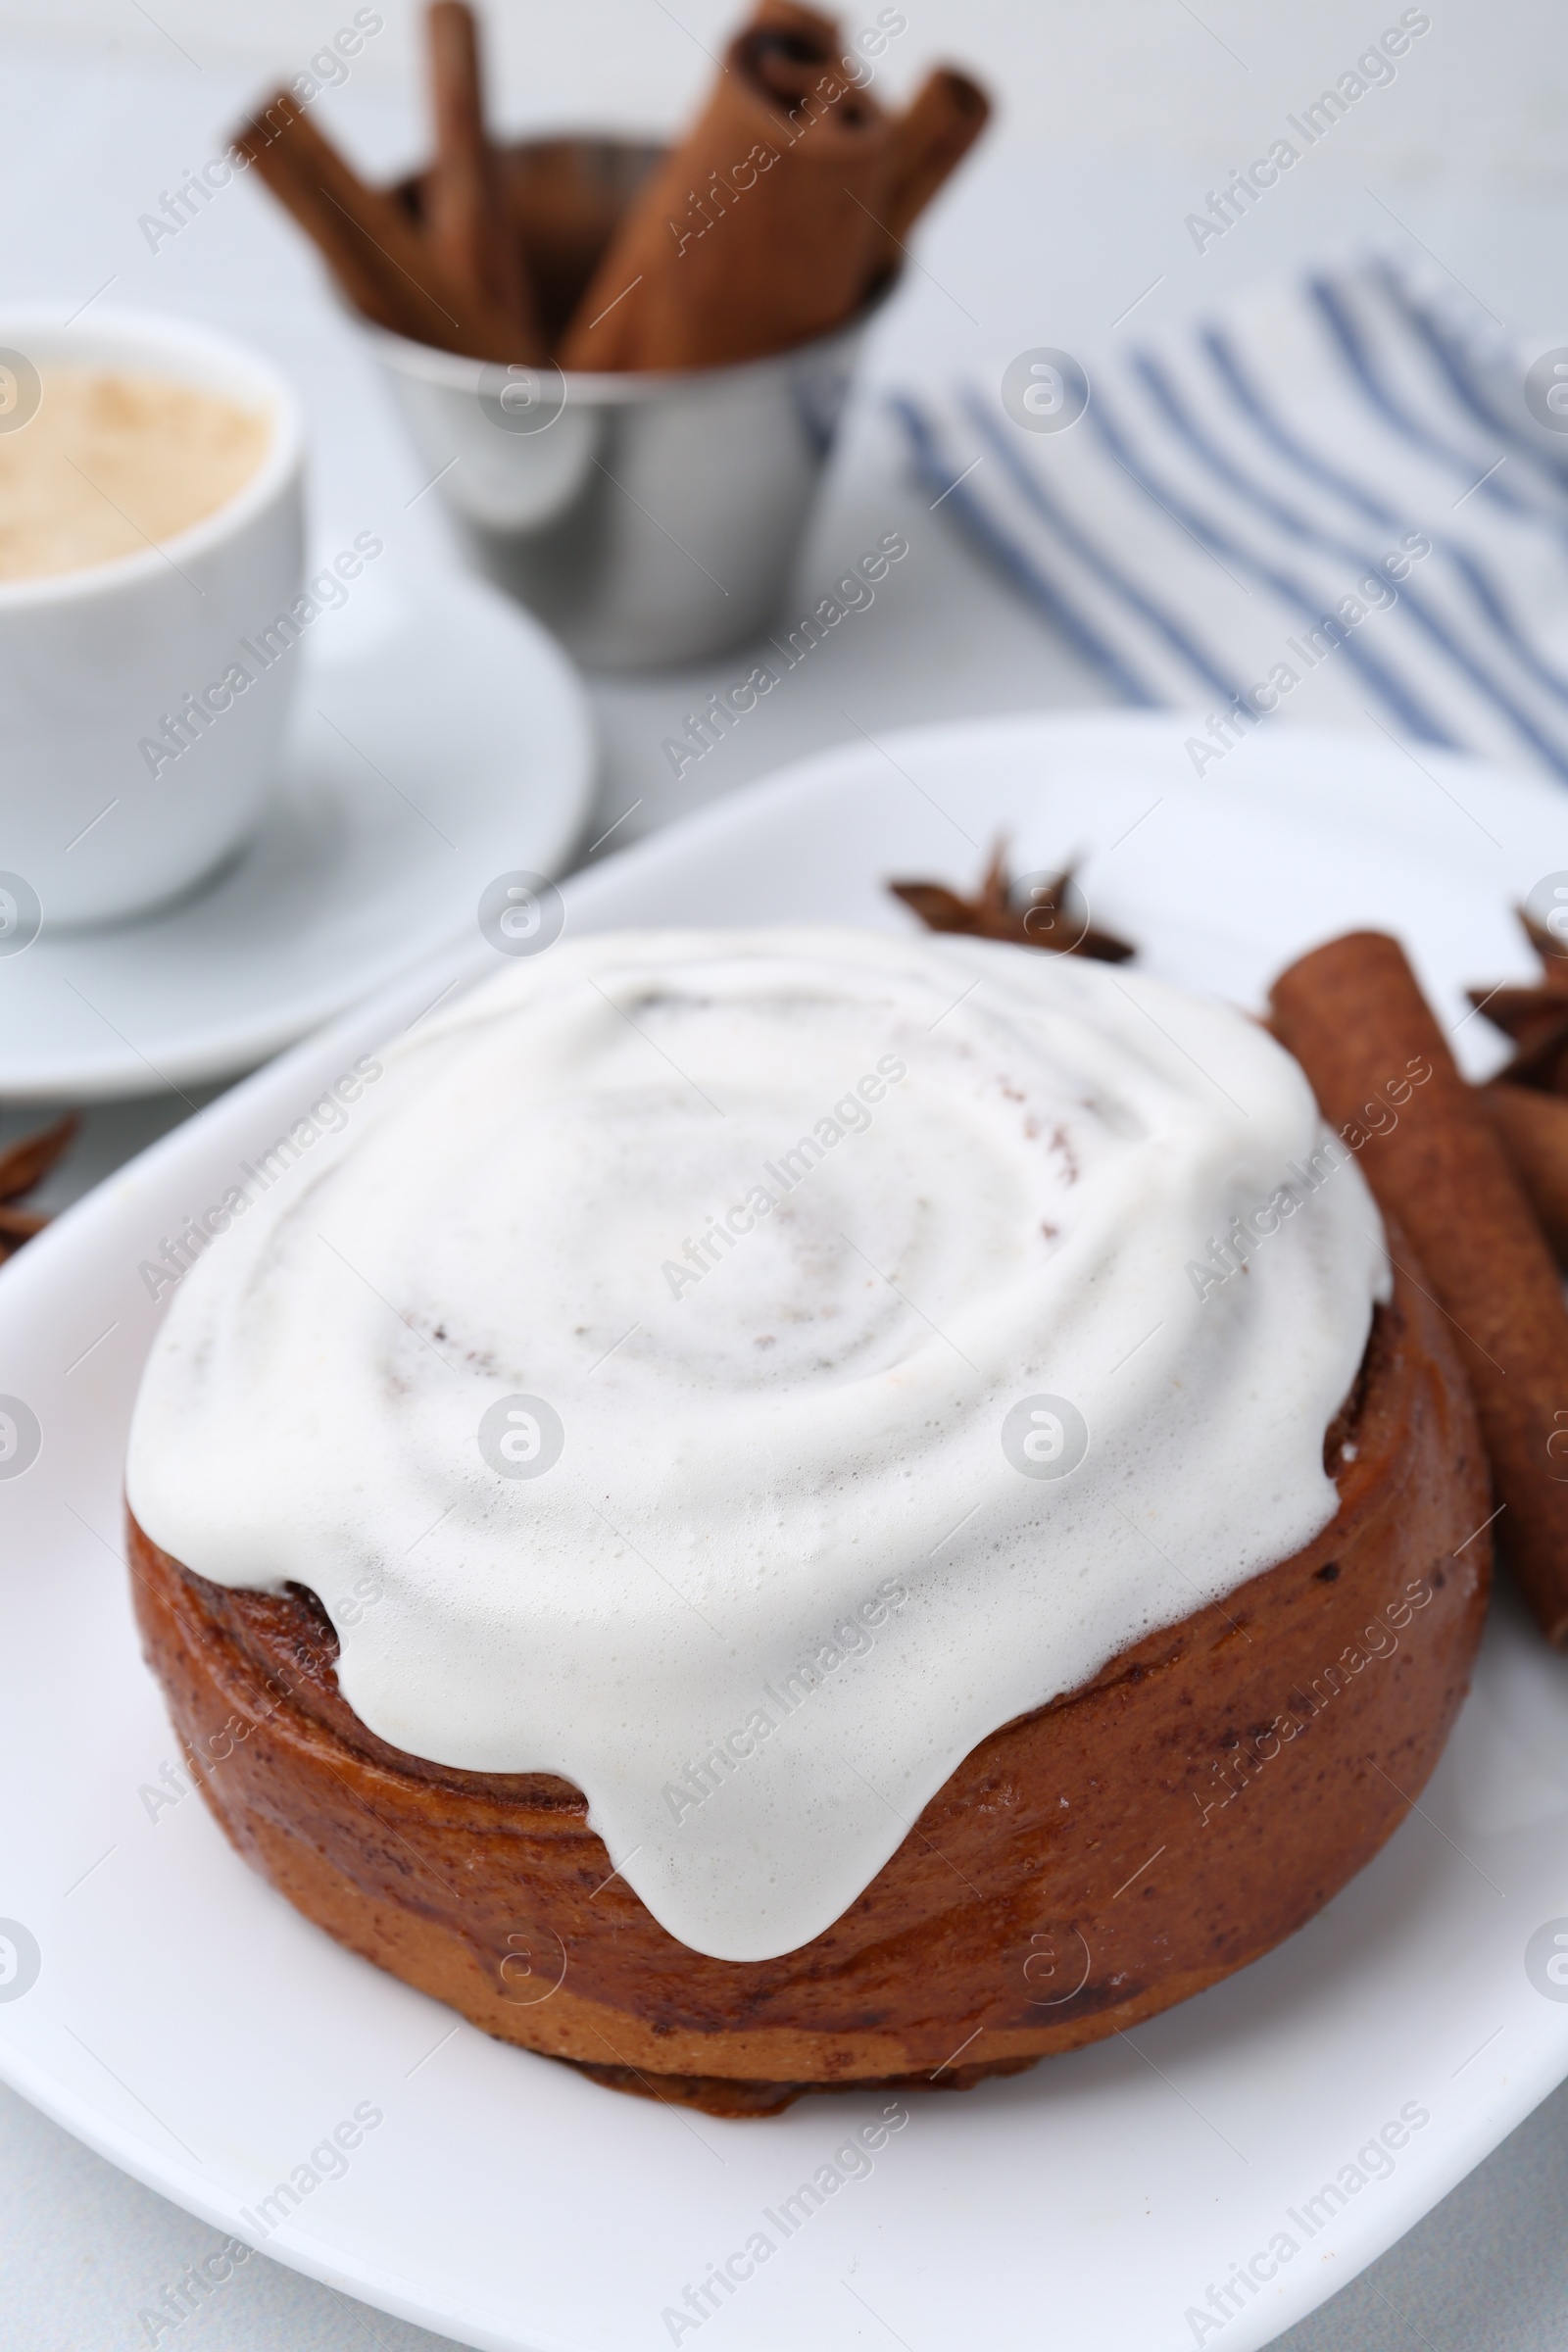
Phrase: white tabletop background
pixel 1066 229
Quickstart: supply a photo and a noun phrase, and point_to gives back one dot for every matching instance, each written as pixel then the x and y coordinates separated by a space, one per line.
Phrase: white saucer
pixel 185 2022
pixel 440 738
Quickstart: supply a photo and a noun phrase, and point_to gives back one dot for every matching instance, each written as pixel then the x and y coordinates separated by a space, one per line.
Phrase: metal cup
pixel 648 520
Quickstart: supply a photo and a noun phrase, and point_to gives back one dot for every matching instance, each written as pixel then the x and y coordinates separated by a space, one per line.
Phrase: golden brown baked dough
pixel 1087 1866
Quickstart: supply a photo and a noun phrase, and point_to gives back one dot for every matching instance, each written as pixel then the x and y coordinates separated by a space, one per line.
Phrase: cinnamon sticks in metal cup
pixel 773 222
pixel 1355 1017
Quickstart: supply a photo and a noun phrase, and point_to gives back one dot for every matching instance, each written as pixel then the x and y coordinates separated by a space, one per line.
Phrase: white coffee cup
pixel 94 826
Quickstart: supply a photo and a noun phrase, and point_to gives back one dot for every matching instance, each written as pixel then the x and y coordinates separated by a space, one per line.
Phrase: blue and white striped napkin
pixel 1330 504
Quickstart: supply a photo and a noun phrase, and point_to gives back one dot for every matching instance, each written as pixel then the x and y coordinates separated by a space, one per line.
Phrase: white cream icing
pixel 779 1227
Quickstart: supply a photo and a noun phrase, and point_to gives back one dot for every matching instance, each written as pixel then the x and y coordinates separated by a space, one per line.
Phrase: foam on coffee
pixel 111 460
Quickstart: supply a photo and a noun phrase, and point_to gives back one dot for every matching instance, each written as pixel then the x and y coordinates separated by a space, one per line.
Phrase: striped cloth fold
pixel 1330 504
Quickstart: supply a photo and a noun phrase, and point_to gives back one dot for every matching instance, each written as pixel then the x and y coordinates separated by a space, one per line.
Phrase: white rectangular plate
pixel 186 2023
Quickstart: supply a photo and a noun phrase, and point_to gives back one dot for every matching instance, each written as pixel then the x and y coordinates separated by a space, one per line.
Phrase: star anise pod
pixel 1534 1017
pixel 23 1165
pixel 1041 910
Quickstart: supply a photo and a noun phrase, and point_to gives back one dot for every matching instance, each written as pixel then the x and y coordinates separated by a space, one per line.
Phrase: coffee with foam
pixel 740 1371
pixel 112 462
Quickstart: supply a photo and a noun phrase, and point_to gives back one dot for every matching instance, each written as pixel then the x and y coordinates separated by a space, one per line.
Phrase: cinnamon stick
pixel 368 243
pixel 1355 1017
pixel 1532 1130
pixel 373 243
pixel 762 229
pixel 930 140
pixel 467 226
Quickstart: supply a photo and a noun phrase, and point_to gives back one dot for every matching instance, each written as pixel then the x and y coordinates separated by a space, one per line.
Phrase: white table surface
pixel 1031 247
